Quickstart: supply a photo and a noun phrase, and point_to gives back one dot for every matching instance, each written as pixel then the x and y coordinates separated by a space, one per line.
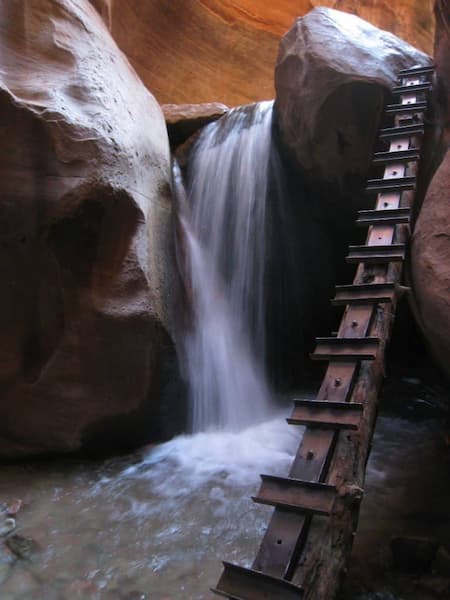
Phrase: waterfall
pixel 224 229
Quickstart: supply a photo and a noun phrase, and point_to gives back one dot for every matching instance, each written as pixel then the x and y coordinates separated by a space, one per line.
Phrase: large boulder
pixel 86 258
pixel 332 77
pixel 430 253
pixel 442 62
pixel 224 51
pixel 430 258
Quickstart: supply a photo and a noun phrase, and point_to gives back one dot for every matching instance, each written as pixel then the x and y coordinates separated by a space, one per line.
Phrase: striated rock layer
pixel 86 260
pixel 222 51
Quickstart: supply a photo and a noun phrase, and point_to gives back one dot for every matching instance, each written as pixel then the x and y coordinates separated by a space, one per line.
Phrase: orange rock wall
pixel 190 51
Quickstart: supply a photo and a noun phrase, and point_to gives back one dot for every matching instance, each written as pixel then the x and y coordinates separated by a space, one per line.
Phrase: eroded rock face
pixel 86 261
pixel 332 76
pixel 223 51
pixel 430 252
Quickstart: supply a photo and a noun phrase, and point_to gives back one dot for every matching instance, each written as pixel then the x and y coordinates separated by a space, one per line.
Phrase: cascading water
pixel 177 509
pixel 224 228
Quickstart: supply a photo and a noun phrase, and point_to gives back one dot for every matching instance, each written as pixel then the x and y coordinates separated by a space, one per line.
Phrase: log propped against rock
pixel 301 545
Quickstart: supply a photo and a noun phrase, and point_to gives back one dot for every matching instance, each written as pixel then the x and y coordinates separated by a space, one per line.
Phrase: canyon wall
pixel 430 254
pixel 221 51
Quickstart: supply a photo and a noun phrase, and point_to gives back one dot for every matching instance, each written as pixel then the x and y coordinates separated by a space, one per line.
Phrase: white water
pixel 157 524
pixel 224 229
pixel 154 525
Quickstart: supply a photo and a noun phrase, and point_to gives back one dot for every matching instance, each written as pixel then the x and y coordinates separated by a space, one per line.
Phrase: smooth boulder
pixel 430 251
pixel 86 255
pixel 333 75
pixel 430 262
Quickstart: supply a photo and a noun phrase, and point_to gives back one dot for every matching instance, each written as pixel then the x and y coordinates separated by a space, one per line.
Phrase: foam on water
pixel 230 458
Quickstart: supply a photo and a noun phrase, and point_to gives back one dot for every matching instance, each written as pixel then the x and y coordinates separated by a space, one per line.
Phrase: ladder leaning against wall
pixel 309 537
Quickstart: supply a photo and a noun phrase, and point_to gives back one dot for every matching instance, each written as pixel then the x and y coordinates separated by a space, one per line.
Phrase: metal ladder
pixel 321 482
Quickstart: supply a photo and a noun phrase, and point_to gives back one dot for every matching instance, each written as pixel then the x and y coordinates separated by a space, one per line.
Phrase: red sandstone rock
pixel 430 260
pixel 183 120
pixel 442 61
pixel 224 51
pixel 86 258
pixel 430 255
pixel 331 78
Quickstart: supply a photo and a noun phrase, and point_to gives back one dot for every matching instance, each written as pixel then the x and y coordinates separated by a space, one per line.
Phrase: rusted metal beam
pixel 365 293
pixel 390 133
pixel 345 348
pixel 378 254
pixel 389 216
pixel 238 583
pixel 326 415
pixel 397 109
pixel 416 71
pixel 411 87
pixel 392 184
pixel 295 494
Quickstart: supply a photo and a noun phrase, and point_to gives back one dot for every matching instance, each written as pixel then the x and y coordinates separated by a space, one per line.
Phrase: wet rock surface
pixel 86 258
pixel 332 78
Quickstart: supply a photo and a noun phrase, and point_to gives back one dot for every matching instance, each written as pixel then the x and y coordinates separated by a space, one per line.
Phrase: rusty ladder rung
pixel 398 156
pixel 412 88
pixel 395 184
pixel 297 501
pixel 390 216
pixel 239 583
pixel 296 495
pixel 345 349
pixel 389 133
pixel 376 254
pixel 396 109
pixel 409 118
pixel 326 415
pixel 416 71
pixel 365 293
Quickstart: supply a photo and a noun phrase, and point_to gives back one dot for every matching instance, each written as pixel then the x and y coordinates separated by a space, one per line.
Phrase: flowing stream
pixel 155 525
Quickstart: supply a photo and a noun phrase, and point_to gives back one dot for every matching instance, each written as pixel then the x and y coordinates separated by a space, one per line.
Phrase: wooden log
pixel 322 562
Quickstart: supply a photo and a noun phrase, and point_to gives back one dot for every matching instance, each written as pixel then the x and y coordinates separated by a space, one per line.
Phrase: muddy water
pixel 156 524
